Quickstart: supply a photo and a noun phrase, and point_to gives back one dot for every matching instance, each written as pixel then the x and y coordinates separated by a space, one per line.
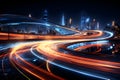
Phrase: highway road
pixel 15 36
pixel 40 58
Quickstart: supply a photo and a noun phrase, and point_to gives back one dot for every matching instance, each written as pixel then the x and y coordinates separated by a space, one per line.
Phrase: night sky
pixel 103 11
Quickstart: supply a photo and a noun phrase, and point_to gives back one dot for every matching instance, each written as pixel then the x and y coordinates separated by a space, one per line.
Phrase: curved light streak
pixel 68 68
pixel 16 59
pixel 49 49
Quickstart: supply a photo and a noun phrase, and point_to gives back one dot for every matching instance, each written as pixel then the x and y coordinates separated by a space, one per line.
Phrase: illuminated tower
pixel 70 23
pixel 45 15
pixel 113 23
pixel 93 24
pixel 63 20
pixel 98 26
pixel 83 21
pixel 87 23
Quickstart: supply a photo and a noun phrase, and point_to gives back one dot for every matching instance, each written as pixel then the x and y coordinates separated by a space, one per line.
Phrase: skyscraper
pixel 113 23
pixel 98 26
pixel 70 23
pixel 84 20
pixel 45 15
pixel 63 20
pixel 93 24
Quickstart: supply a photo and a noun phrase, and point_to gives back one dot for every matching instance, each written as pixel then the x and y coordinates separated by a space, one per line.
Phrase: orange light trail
pixel 50 49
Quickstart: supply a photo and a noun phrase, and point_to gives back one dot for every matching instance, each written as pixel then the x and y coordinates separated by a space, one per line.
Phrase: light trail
pixel 98 45
pixel 3 67
pixel 16 59
pixel 15 36
pixel 71 69
pixel 50 49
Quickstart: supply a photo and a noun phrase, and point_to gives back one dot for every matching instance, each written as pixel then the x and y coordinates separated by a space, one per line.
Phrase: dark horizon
pixel 103 11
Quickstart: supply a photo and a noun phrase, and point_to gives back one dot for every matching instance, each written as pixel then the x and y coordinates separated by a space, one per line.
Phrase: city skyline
pixel 103 11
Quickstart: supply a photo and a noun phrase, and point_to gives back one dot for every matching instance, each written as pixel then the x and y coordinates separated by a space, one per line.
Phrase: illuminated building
pixel 93 24
pixel 45 16
pixel 84 22
pixel 63 20
pixel 113 23
pixel 70 22
pixel 98 25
